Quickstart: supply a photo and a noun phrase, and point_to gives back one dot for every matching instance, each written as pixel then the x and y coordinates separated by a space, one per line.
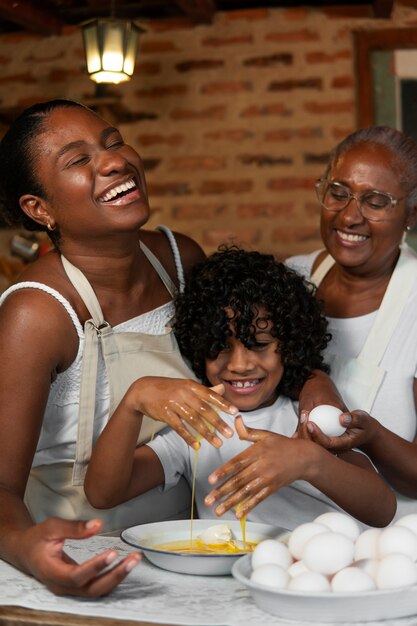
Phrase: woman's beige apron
pixel 57 490
pixel 359 379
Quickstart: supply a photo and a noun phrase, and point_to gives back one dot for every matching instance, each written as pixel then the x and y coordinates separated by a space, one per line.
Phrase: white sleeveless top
pixel 59 429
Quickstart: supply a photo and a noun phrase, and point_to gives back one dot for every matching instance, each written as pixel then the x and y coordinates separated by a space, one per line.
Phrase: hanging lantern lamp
pixel 110 48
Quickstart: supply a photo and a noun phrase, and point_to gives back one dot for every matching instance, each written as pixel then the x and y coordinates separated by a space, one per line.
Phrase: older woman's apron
pixel 359 379
pixel 57 489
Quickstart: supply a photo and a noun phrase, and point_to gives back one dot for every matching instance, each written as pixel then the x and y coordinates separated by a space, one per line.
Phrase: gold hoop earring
pixel 50 227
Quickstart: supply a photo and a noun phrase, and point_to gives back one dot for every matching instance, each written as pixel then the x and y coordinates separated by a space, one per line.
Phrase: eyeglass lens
pixel 335 197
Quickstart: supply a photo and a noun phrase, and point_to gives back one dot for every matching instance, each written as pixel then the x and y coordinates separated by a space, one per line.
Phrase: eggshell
pixel 352 579
pixel 296 568
pixel 301 534
pixel 366 545
pixel 370 566
pixel 397 539
pixel 339 523
pixel 309 581
pixel 270 575
pixel 327 419
pixel 396 570
pixel 409 521
pixel 218 534
pixel 271 551
pixel 327 553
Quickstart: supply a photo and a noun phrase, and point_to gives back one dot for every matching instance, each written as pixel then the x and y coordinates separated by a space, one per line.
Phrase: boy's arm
pixel 118 470
pixel 274 461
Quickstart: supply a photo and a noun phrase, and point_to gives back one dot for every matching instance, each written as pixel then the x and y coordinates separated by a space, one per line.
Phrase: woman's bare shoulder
pixel 33 316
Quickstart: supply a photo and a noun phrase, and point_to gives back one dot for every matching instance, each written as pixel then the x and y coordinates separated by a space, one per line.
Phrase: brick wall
pixel 234 120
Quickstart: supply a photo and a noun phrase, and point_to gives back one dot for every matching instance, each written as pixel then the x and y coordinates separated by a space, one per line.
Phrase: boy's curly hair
pixel 245 282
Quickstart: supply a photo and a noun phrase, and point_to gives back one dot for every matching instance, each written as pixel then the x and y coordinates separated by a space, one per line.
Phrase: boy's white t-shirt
pixel 290 506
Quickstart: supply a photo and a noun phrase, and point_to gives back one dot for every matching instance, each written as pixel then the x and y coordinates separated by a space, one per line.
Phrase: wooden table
pixel 16 616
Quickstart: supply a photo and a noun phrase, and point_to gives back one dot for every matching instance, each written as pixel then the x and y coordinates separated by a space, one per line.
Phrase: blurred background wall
pixel 234 120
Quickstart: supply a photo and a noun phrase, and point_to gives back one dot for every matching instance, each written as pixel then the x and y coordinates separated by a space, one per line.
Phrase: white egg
pixel 270 575
pixel 216 535
pixel 309 581
pixel 366 545
pixel 409 521
pixel 271 551
pixel 327 553
pixel 352 579
pixel 327 419
pixel 296 568
pixel 396 570
pixel 340 523
pixel 301 534
pixel 370 566
pixel 397 539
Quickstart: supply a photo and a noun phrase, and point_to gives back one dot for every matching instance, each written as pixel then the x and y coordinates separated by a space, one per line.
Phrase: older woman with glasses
pixel 367 279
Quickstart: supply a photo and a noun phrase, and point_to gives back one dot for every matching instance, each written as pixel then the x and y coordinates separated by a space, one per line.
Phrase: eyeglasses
pixel 373 205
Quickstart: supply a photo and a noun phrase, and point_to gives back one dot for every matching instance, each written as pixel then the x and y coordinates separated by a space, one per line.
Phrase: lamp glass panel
pixel 113 47
pixel 91 49
pixel 131 45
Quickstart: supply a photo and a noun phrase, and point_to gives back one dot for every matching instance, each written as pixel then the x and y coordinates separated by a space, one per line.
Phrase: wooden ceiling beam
pixel 383 8
pixel 26 15
pixel 199 11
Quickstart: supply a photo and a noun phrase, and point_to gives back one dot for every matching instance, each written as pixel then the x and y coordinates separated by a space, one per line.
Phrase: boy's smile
pixel 250 375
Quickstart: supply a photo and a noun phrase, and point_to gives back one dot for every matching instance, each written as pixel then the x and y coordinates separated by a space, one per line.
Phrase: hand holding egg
pixel 327 419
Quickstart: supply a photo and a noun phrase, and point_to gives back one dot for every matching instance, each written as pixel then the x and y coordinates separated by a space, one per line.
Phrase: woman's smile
pixel 121 194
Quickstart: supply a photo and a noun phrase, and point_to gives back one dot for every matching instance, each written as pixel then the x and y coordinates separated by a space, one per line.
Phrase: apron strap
pixel 388 316
pixel 392 305
pixel 160 270
pixel 95 329
pixel 321 271
pixel 85 291
pixel 87 400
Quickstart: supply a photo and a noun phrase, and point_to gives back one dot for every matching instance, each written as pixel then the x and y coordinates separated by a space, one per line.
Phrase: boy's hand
pixel 272 462
pixel 182 404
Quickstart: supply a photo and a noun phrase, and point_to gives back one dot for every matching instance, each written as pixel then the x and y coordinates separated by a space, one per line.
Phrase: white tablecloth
pixel 154 595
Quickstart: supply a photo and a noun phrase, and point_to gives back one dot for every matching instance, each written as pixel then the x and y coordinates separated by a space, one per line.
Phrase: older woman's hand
pixel 360 430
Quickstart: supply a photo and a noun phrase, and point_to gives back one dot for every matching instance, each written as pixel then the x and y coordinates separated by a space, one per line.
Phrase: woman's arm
pixel 318 389
pixel 37 339
pixel 274 461
pixel 394 457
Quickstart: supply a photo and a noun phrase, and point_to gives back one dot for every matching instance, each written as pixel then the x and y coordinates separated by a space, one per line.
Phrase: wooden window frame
pixel 365 42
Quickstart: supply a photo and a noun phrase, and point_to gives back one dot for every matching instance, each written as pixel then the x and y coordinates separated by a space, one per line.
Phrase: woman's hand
pixel 42 547
pixel 182 404
pixel 272 462
pixel 360 430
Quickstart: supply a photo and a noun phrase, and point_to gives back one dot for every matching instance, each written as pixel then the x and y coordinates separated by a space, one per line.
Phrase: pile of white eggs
pixel 331 554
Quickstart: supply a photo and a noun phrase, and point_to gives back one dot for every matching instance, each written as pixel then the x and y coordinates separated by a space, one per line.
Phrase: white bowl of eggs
pixel 328 570
pixel 201 547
